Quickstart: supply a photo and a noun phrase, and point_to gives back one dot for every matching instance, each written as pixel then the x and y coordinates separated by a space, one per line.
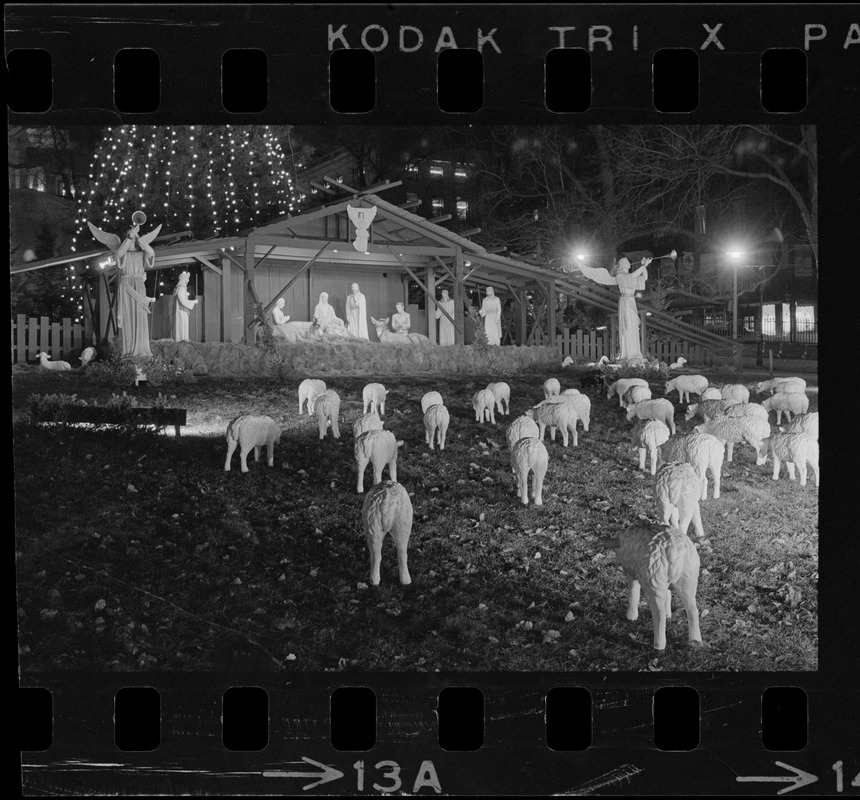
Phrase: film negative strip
pixel 238 674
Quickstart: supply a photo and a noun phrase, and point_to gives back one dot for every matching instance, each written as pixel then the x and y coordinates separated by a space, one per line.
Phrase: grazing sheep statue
pixel 530 455
pixel 582 404
pixel 327 411
pixel 309 390
pixel 746 410
pixel 567 361
pixel 373 399
pixel 679 364
pixel 635 394
pixel 251 433
pixel 521 428
pixel 365 423
pixel 436 419
pixel 378 448
pixel 796 449
pixel 387 509
pixel 484 402
pixel 706 409
pixel 711 393
pixel 660 559
pixel 784 385
pixel 732 430
pixel 555 415
pixel 54 366
pixel 388 337
pixel 686 385
pixel 677 489
pixel 593 379
pixel 568 392
pixel 734 393
pixel 660 409
pixel 703 451
pixel 430 399
pixel 804 423
pixel 648 435
pixel 87 355
pixel 551 387
pixel 788 404
pixel 502 392
pixel 621 386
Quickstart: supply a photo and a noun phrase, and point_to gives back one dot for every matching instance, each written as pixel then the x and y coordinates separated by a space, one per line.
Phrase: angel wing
pixel 361 217
pixel 109 240
pixel 352 211
pixel 147 238
pixel 598 275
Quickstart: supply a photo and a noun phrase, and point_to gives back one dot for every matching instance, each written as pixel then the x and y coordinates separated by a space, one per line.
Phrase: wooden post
pixel 523 328
pixel 551 301
pixel 792 321
pixel 431 304
pixel 20 339
pixel 226 300
pixel 459 298
pixel 770 361
pixel 613 336
pixel 643 334
pixel 250 273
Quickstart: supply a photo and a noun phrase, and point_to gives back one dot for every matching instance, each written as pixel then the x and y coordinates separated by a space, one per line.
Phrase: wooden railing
pixel 33 335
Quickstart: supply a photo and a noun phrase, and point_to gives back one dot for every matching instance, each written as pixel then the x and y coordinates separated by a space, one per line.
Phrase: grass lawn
pixel 139 551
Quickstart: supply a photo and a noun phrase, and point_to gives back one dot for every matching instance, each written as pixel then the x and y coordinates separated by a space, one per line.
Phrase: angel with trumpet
pixel 134 256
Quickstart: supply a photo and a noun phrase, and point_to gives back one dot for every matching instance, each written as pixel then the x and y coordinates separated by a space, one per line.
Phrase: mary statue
pixel 628 317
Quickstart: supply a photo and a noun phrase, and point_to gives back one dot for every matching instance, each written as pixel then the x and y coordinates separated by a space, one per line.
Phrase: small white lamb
pixel 635 394
pixel 679 364
pixel 621 386
pixel 530 455
pixel 686 385
pixel 567 361
pixel 55 366
pixel 784 385
pixel 430 399
pixel 711 393
pixel 551 387
pixel 703 451
pixel 706 409
pixel 556 415
pixel 677 489
pixel 327 411
pixel 788 404
pixel 796 449
pixel 732 430
pixel 804 423
pixel 387 509
pixel 87 355
pixel 648 435
pixel 502 392
pixel 365 423
pixel 377 448
pixel 373 399
pixel 484 403
pixel 251 433
pixel 659 558
pixel 309 390
pixel 734 393
pixel 436 420
pixel 521 428
pixel 660 409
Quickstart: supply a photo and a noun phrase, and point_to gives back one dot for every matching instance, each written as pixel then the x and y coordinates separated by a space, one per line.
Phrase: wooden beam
pixel 295 277
pixel 459 311
pixel 440 218
pixel 207 263
pixel 250 275
pixel 383 186
pixel 468 233
pixel 225 254
pixel 410 204
pixel 226 298
pixel 322 188
pixel 445 267
pixel 341 185
pixel 523 328
pixel 431 305
pixel 312 243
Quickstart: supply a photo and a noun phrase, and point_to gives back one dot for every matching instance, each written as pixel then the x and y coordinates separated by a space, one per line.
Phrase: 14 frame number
pixel 390 780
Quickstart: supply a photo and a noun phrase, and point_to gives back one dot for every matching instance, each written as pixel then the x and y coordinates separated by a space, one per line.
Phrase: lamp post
pixel 735 256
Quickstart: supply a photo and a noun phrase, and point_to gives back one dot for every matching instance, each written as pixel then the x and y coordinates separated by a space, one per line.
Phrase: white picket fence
pixel 592 345
pixel 32 335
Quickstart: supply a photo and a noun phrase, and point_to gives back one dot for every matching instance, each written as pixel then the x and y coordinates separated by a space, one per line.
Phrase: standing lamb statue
pixel 677 490
pixel 436 420
pixel 660 409
pixel 648 435
pixel 553 415
pixel 635 394
pixel 551 387
pixel 734 393
pixel 796 449
pixel 620 386
pixel 373 399
pixel 530 455
pixel 659 559
pixel 387 509
pixel 804 423
pixel 788 404
pixel 54 366
pixel 784 385
pixel 711 393
pixel 732 430
pixel 686 385
pixel 502 392
pixel 309 390
pixel 430 399
pixel 251 433
pixel 521 428
pixel 366 422
pixel 484 403
pixel 327 412
pixel 378 448
pixel 582 404
pixel 703 451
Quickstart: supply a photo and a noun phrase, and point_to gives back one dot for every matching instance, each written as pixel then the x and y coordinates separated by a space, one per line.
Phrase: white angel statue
pixel 361 218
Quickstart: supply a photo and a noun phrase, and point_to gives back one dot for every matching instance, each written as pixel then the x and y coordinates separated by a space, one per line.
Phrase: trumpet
pixel 673 255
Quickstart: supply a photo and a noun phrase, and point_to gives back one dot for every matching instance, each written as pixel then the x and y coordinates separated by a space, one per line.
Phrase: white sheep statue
pixel 251 433
pixel 784 385
pixel 620 386
pixel 635 394
pixel 87 355
pixel 582 404
pixel 551 387
pixel 327 412
pixel 553 416
pixel 373 399
pixel 703 451
pixel 567 361
pixel 54 366
pixel 521 428
pixel 661 409
pixel 436 421
pixel 706 409
pixel 365 423
pixel 788 404
pixel 804 423
pixel 484 403
pixel 677 490
pixel 732 430
pixel 711 393
pixel 686 385
pixel 569 392
pixel 679 364
pixel 377 448
pixel 659 559
pixel 309 390
pixel 430 399
pixel 502 392
pixel 387 509
pixel 734 393
pixel 530 455
pixel 746 410
pixel 389 337
pixel 796 450
pixel 648 435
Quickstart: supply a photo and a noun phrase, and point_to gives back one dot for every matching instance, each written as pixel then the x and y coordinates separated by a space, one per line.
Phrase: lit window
pixel 462 208
pixel 436 171
pixel 459 172
pixel 36 179
pixel 438 204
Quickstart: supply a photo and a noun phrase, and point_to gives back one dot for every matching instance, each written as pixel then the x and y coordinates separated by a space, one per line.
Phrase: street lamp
pixel 735 256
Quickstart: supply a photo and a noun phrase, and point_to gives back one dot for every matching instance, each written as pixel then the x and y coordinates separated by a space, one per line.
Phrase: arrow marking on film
pixel 800 778
pixel 327 774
